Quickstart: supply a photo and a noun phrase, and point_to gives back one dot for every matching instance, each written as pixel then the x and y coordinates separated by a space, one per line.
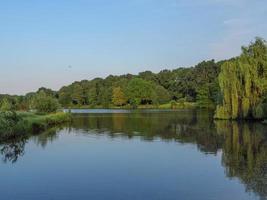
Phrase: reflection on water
pixel 245 153
pixel 12 149
pixel 185 127
pixel 243 145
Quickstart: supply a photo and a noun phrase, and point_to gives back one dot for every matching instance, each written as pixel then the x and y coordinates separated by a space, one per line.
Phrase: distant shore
pixel 185 105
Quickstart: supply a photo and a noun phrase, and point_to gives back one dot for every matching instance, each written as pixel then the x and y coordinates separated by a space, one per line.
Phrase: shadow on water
pixel 243 145
pixel 184 127
pixel 245 153
pixel 14 148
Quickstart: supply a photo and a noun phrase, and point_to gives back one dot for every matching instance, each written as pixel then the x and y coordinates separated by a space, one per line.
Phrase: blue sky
pixel 40 39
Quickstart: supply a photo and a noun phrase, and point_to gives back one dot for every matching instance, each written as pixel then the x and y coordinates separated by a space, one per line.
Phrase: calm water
pixel 138 155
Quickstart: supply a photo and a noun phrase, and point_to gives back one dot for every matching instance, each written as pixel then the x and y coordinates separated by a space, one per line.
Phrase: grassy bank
pixel 17 123
pixel 42 122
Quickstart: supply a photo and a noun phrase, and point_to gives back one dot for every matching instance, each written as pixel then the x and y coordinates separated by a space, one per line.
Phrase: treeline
pixel 42 101
pixel 195 84
pixel 183 84
pixel 237 87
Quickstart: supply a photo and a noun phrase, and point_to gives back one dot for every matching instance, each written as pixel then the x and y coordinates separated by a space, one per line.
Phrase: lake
pixel 149 154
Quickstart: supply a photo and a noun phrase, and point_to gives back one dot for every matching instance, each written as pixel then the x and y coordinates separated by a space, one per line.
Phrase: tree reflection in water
pixel 12 149
pixel 245 153
pixel 47 137
pixel 243 145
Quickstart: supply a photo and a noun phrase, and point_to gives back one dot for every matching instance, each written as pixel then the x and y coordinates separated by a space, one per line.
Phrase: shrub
pixel 5 105
pixel 45 104
pixel 10 123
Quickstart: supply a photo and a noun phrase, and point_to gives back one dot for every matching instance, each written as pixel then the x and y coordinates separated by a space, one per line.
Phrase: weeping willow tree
pixel 243 82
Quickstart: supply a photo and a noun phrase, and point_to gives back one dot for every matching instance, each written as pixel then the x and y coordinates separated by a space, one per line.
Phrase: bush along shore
pixel 170 105
pixel 18 123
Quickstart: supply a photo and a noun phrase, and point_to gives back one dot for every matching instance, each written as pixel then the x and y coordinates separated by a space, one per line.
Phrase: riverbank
pixel 18 123
pixel 176 105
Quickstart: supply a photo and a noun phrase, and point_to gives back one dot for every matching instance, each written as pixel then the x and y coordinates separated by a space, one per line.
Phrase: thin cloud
pixel 197 3
pixel 235 33
pixel 233 21
pixel 239 29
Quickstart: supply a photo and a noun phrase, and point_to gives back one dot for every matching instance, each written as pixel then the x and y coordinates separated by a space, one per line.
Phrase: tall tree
pixel 140 91
pixel 204 99
pixel 118 97
pixel 243 82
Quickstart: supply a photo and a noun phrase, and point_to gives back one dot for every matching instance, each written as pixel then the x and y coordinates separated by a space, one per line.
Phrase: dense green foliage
pixel 16 124
pixel 194 84
pixel 5 105
pixel 243 83
pixel 44 103
pixel 43 122
pixel 237 87
pixel 118 97
pixel 10 123
pixel 140 91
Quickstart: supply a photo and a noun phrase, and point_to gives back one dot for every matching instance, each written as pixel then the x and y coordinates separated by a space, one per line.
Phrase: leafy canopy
pixel 44 103
pixel 243 83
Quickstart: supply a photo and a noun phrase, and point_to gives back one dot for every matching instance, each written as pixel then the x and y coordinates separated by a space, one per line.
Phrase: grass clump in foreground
pixel 18 123
pixel 37 122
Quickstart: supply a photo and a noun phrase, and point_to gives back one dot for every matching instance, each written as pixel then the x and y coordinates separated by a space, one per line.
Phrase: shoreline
pixel 22 123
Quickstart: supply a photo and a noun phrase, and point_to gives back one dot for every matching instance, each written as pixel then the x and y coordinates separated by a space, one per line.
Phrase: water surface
pixel 150 154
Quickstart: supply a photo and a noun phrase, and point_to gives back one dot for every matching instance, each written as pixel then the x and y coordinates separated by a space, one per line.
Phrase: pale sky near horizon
pixel 40 40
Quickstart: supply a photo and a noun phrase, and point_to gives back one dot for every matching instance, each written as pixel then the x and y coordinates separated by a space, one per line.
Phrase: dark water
pixel 141 155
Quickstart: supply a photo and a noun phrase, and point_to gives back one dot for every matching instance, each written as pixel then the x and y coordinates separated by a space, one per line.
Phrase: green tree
pixel 65 96
pixel 140 91
pixel 243 83
pixel 118 97
pixel 77 96
pixel 5 105
pixel 204 99
pixel 163 96
pixel 105 97
pixel 47 91
pixel 44 103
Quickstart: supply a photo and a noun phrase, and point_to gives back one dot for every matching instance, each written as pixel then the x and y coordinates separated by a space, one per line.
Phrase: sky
pixel 53 43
